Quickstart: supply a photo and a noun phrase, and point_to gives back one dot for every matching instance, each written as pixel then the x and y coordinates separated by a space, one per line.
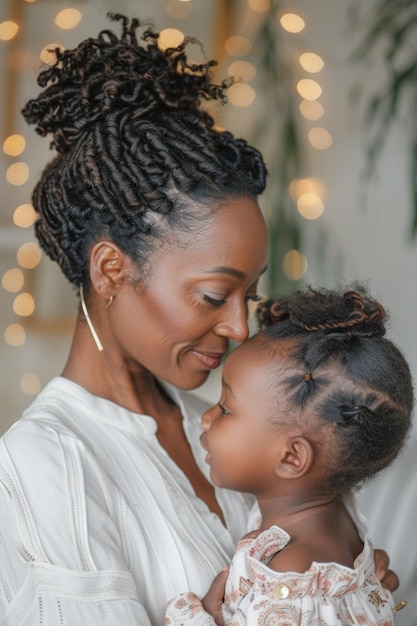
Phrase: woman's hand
pixel 213 600
pixel 388 578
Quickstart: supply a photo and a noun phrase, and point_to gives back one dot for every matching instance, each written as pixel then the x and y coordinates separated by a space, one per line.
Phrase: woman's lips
pixel 210 359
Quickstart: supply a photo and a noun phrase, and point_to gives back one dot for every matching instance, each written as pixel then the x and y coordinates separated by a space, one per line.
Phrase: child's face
pixel 239 436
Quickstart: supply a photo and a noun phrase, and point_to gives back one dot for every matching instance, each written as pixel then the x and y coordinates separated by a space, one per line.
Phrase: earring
pixel 89 322
pixel 108 303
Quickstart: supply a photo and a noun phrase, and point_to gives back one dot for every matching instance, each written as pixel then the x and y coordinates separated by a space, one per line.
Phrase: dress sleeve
pixel 54 567
pixel 187 610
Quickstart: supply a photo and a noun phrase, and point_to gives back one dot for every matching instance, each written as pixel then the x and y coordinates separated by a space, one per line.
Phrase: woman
pixel 106 510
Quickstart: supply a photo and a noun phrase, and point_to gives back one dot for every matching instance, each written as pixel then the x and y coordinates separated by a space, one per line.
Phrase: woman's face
pixel 195 300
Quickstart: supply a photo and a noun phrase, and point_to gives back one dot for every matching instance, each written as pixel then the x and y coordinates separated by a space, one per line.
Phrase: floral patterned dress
pixel 327 594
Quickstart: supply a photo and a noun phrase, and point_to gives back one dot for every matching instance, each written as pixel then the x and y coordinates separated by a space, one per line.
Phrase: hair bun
pixel 107 74
pixel 351 313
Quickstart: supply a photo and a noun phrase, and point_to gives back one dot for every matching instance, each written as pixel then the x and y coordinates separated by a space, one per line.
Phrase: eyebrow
pixel 228 387
pixel 231 271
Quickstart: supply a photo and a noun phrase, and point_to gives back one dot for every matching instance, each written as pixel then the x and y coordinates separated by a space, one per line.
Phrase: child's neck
pixel 290 510
pixel 320 529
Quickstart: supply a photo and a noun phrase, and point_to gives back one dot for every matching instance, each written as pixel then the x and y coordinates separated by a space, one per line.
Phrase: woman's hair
pixel 344 371
pixel 138 157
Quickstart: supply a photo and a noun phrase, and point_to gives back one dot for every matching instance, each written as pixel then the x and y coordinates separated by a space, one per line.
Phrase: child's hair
pixel 138 157
pixel 344 371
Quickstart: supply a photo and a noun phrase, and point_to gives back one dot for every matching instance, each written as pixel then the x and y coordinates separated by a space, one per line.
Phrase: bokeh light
pixel 24 304
pixel 241 95
pixel 260 5
pixel 17 174
pixel 320 138
pixel 242 70
pixel 311 110
pixel 310 206
pixel 8 30
pixel 30 384
pixel 311 62
pixel 13 280
pixel 48 54
pixel 29 255
pixel 15 335
pixel 309 89
pixel 292 23
pixel 170 38
pixel 68 18
pixel 14 145
pixel 238 46
pixel 294 265
pixel 24 215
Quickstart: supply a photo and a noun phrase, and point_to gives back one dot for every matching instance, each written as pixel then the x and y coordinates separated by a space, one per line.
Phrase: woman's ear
pixel 295 457
pixel 108 267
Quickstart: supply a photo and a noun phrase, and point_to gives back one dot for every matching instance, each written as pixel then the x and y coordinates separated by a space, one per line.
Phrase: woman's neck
pixel 108 376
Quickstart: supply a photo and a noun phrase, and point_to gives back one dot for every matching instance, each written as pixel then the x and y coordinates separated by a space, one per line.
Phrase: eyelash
pixel 215 302
pixel 223 410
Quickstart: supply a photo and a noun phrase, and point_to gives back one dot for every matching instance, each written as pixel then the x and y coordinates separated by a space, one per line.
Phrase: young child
pixel 312 406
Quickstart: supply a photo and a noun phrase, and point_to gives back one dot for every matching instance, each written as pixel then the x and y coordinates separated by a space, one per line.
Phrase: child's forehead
pixel 260 349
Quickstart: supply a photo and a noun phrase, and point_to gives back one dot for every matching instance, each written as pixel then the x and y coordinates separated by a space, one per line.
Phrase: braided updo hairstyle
pixel 138 157
pixel 345 372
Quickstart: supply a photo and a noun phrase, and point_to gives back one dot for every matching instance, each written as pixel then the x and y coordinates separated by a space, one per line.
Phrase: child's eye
pixel 214 301
pixel 223 410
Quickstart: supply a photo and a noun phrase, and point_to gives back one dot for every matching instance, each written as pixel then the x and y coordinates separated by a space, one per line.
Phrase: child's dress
pixel 327 594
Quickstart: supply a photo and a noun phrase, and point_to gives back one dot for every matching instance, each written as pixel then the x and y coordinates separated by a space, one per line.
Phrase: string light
pixel 17 174
pixel 294 265
pixel 13 280
pixel 8 30
pixel 170 38
pixel 68 19
pixel 24 304
pixel 320 138
pixel 238 46
pixel 14 145
pixel 24 216
pixel 29 255
pixel 15 335
pixel 292 23
pixel 30 384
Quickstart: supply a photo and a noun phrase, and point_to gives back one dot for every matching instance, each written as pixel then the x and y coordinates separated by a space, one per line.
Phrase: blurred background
pixel 327 91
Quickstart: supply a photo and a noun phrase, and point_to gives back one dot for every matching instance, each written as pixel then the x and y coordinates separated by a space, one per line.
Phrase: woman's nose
pixel 235 327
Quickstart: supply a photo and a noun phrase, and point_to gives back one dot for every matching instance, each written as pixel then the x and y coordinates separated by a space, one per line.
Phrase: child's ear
pixel 295 458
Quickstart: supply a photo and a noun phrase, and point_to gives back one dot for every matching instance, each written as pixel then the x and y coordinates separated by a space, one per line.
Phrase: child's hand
pixel 388 578
pixel 213 600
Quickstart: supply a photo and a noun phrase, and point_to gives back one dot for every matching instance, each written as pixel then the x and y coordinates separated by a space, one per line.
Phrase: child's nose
pixel 206 419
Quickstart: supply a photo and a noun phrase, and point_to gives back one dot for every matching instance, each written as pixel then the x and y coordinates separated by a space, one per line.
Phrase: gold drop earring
pixel 89 322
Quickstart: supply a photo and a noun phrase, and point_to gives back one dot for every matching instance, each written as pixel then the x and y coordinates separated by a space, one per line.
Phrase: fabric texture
pixel 97 524
pixel 328 594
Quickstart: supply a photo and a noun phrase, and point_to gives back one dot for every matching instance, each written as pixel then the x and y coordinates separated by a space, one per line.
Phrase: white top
pixel 327 594
pixel 97 524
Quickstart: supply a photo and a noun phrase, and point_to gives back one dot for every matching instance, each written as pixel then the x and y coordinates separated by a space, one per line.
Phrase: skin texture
pixel 177 327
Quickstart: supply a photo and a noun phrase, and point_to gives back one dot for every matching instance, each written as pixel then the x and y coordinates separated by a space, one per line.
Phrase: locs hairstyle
pixel 138 157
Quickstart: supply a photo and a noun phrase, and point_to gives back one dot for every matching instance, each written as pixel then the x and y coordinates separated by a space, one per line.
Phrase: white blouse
pixel 98 526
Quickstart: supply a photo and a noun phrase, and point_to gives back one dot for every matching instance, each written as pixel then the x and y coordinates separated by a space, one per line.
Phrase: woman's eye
pixel 214 301
pixel 253 298
pixel 223 410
